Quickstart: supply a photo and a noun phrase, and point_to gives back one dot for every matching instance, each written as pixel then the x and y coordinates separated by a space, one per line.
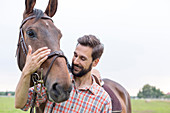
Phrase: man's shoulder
pixel 100 90
pixel 101 93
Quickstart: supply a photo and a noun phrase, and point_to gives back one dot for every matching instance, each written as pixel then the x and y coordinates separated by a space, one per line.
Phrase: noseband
pixel 54 54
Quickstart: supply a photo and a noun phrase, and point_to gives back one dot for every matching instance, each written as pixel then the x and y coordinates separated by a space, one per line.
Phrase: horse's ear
pixel 51 8
pixel 29 6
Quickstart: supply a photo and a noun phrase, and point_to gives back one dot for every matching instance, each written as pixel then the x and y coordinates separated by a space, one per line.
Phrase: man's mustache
pixel 77 66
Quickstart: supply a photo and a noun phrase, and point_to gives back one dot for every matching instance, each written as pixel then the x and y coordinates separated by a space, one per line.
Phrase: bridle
pixel 56 54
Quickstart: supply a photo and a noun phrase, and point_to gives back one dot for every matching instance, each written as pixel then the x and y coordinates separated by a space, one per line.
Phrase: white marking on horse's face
pixel 46 24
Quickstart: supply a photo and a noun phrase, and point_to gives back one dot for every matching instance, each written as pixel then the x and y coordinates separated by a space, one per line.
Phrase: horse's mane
pixel 38 14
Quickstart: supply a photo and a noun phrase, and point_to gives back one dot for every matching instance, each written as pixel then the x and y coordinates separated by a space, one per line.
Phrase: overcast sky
pixel 135 33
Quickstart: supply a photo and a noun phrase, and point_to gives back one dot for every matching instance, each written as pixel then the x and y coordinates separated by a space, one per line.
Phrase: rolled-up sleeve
pixel 40 98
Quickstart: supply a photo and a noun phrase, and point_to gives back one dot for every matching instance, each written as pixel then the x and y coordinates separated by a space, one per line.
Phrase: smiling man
pixel 86 56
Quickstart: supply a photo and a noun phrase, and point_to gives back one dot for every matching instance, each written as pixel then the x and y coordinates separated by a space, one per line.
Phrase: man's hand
pixel 34 60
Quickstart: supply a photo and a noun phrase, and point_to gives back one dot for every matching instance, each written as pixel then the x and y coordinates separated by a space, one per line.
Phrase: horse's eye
pixel 31 33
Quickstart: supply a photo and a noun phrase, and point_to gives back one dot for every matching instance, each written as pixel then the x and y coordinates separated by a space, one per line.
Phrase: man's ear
pixel 95 62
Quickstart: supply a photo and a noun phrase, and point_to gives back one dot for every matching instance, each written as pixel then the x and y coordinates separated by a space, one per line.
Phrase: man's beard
pixel 82 72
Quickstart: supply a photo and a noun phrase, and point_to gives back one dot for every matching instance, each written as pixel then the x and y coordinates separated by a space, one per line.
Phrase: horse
pixel 114 89
pixel 38 30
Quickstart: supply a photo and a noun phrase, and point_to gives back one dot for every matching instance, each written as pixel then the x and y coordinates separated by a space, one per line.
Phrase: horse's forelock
pixel 38 14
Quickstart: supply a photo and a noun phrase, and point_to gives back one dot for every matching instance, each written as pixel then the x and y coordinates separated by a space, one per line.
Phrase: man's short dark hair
pixel 94 43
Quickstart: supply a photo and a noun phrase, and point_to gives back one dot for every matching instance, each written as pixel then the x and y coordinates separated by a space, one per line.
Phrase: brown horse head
pixel 38 30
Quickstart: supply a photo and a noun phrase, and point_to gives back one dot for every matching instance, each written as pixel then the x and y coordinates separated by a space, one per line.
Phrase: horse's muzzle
pixel 58 93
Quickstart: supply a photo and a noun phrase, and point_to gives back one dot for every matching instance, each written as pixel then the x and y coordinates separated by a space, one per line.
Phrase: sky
pixel 135 34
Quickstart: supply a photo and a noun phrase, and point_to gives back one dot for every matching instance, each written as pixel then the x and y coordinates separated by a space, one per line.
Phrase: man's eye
pixel 83 59
pixel 75 55
pixel 31 33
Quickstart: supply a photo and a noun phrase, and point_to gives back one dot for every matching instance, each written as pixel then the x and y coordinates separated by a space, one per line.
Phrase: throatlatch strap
pixel 53 105
pixel 34 100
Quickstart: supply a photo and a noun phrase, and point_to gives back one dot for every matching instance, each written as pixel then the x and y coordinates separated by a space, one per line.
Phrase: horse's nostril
pixel 70 89
pixel 57 89
pixel 55 86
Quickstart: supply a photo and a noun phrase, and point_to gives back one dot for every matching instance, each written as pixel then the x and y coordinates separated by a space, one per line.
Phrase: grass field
pixel 7 105
pixel 138 106
pixel 150 106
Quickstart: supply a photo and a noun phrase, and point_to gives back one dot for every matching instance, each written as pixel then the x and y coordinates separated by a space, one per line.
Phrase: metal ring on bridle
pixel 35 77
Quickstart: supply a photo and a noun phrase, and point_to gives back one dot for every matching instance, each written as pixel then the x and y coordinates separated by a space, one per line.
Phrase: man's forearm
pixel 21 92
pixel 33 62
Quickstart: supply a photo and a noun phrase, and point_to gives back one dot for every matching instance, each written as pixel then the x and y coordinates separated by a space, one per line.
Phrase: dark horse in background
pixel 121 102
pixel 38 30
pixel 121 93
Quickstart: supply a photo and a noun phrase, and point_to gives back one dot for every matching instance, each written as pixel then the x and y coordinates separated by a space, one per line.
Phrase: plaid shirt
pixel 91 99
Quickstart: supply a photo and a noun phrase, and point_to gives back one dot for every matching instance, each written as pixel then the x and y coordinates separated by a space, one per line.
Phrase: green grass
pixel 138 106
pixel 7 105
pixel 151 106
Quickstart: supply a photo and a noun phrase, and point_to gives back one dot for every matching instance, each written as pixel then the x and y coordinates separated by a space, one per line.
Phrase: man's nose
pixel 76 60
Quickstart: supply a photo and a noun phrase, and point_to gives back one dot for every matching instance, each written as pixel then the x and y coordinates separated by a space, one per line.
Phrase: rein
pixel 35 77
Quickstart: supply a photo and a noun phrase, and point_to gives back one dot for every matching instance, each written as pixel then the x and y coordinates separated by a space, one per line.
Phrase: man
pixel 86 96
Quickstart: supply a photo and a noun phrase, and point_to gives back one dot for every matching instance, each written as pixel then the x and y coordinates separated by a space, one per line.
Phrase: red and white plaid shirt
pixel 93 99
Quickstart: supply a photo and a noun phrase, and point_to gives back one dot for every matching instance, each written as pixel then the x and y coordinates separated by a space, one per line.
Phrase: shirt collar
pixel 92 89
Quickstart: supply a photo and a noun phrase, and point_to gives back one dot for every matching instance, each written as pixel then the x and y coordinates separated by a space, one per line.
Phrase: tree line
pixel 149 91
pixel 7 93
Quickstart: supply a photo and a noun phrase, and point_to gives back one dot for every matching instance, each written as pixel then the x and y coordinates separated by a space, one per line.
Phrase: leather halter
pixel 54 54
